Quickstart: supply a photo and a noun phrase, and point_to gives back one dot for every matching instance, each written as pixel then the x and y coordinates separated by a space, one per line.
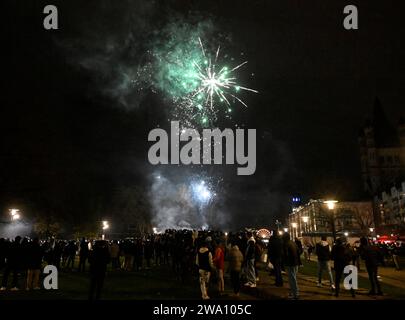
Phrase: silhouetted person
pixel 83 255
pixel 99 258
pixel 13 264
pixel 115 255
pixel 71 252
pixel 342 256
pixel 3 251
pixel 148 249
pixel 292 261
pixel 372 256
pixel 34 258
pixel 275 254
pixel 322 250
pixel 57 254
pixel 235 266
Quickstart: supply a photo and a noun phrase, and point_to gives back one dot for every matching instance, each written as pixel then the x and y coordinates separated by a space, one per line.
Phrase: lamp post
pixel 331 206
pixel 105 227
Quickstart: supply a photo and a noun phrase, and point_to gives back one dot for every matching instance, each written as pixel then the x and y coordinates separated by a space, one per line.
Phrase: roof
pixel 385 134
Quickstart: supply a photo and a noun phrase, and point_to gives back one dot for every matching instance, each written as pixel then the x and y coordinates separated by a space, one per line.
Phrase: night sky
pixel 71 135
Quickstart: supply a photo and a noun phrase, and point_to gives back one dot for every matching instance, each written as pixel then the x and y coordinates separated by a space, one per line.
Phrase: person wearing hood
pixel 322 250
pixel 205 265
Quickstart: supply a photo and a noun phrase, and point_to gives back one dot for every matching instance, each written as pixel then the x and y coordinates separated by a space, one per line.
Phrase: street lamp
pixel 106 226
pixel 15 214
pixel 285 229
pixel 331 206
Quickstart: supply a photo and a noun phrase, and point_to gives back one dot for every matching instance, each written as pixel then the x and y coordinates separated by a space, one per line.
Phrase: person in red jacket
pixel 219 262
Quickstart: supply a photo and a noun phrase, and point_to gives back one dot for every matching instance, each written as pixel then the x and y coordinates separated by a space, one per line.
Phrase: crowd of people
pixel 190 254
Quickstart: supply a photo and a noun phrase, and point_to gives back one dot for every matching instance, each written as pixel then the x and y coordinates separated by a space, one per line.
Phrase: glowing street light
pixel 371 230
pixel 285 229
pixel 346 234
pixel 331 206
pixel 106 226
pixel 15 214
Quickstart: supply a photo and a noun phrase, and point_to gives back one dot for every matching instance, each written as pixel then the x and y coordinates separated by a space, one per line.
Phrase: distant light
pixel 226 234
pixel 392 234
pixel 285 229
pixel 263 233
pixel 105 225
pixel 13 212
pixel 15 215
pixel 371 229
pixel 346 234
pixel 331 204
pixel 155 230
pixel 294 225
pixel 378 235
pixel 280 232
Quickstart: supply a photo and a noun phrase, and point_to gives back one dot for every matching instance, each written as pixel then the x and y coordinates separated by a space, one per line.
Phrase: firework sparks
pixel 216 82
pixel 201 192
pixel 210 86
pixel 198 78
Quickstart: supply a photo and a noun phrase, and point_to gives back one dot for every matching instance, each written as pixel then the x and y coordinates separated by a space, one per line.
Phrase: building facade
pixel 314 219
pixel 390 206
pixel 382 152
